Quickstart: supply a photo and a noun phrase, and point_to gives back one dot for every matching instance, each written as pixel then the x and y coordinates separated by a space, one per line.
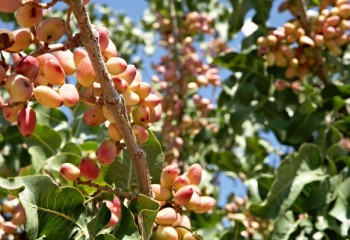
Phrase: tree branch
pixel 320 65
pixel 112 99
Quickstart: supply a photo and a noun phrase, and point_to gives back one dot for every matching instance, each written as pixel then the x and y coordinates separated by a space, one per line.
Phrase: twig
pixel 118 192
pixel 71 43
pixel 113 100
pixel 182 86
pixel 320 66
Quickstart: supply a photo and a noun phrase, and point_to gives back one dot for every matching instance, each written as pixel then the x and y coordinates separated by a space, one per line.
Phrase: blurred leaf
pixel 292 176
pixel 52 212
pixel 46 138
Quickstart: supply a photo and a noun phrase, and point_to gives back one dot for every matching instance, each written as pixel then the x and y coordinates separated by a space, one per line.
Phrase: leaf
pixel 126 228
pixel 121 172
pixel 105 237
pixel 146 211
pixel 52 117
pixel 240 9
pixel 46 138
pixel 284 227
pixel 51 211
pixel 290 180
pixel 38 157
pixel 312 155
pixel 99 221
pixel 341 211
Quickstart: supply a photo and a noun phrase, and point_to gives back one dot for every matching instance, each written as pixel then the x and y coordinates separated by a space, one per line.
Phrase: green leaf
pixel 126 228
pixel 99 221
pixel 146 210
pixel 240 9
pixel 38 157
pixel 121 172
pixel 292 176
pixel 52 117
pixel 285 227
pixel 52 212
pixel 46 138
pixel 105 237
pixel 341 211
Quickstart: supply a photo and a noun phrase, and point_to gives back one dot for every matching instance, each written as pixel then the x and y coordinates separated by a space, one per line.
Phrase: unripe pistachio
pixel 70 94
pixel 333 21
pixel 23 39
pixel 54 72
pixel 189 236
pixel 9 227
pixel 51 30
pixel 194 174
pixel 207 204
pixel 129 74
pixel 89 169
pixel 86 75
pixel 66 60
pixel 261 41
pixel 131 98
pixel 183 195
pixel 151 100
pixel 94 116
pixel 166 233
pixel 144 90
pixel 134 86
pixel 78 55
pixel 28 66
pixel 344 10
pixel 106 152
pixel 168 175
pixel 43 58
pixel 160 192
pixel 110 51
pixel 19 216
pixel 9 5
pixel 114 133
pixel 289 28
pixel 10 112
pixel 140 133
pixel 26 121
pixel 70 171
pixel 141 115
pixel 271 40
pixel 48 97
pixel 28 15
pixel 166 216
pixel 184 222
pixel 103 37
pixel 180 182
pixel 155 113
pixel 306 41
pixel 120 84
pixel 116 65
pixel 19 87
pixel 194 202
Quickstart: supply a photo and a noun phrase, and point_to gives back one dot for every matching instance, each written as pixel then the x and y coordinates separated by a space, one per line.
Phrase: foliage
pixel 284 137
